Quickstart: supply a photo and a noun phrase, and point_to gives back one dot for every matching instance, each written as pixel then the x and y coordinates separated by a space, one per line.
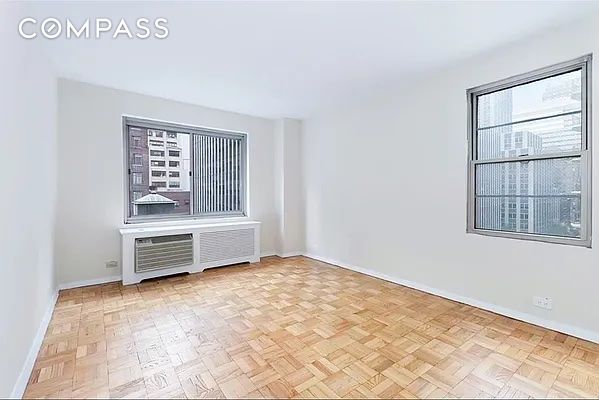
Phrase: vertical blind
pixel 218 180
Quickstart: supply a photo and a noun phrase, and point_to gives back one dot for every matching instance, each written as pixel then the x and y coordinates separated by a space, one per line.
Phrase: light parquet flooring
pixel 297 328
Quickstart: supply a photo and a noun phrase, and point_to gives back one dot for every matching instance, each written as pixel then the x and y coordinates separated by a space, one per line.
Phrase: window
pixel 529 156
pixel 137 178
pixel 153 132
pixel 210 173
pixel 137 159
pixel 518 140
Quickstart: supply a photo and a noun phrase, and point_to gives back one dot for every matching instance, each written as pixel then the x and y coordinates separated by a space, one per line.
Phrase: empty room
pixel 299 199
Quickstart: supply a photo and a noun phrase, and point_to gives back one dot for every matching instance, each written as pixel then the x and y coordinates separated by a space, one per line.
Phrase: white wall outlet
pixel 112 264
pixel 542 302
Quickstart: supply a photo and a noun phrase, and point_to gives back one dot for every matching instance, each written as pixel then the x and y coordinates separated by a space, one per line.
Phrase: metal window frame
pixel 583 63
pixel 128 120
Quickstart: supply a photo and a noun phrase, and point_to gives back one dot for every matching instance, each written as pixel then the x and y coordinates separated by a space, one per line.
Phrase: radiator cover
pixel 150 252
pixel 226 245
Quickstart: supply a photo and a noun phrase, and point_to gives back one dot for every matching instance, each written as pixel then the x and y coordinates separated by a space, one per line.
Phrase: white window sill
pixel 183 222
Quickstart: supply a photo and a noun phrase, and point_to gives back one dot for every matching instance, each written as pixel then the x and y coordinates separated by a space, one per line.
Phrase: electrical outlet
pixel 112 264
pixel 542 302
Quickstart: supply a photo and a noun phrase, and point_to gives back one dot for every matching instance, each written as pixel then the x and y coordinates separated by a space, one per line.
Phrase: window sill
pixel 533 237
pixel 187 221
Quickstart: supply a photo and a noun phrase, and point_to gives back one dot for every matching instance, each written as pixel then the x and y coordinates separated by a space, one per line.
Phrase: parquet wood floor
pixel 297 328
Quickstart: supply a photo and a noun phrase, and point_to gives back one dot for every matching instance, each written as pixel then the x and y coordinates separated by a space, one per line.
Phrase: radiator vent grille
pixel 162 252
pixel 225 245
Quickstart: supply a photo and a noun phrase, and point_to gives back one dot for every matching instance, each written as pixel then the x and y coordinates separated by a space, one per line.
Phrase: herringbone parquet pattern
pixel 297 328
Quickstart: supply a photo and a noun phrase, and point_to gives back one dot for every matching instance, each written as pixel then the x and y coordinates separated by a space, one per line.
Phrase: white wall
pixel 90 171
pixel 288 187
pixel 385 190
pixel 27 202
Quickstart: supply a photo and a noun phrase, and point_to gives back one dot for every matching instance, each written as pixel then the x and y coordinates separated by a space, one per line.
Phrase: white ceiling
pixel 291 59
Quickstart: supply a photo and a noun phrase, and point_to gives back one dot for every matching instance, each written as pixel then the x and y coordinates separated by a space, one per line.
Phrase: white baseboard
pixel 21 384
pixel 282 255
pixel 89 282
pixel 572 330
pixel 291 254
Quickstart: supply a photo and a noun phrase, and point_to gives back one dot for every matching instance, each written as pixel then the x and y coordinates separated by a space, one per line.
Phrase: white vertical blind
pixel 217 164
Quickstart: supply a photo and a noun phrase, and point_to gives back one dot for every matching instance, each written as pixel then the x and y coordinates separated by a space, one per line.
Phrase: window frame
pixel 147 123
pixel 583 63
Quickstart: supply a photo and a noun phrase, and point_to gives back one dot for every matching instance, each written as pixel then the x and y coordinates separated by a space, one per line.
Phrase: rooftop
pixel 153 198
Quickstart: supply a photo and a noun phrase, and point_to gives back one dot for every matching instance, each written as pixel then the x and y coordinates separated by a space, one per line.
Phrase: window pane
pixel 545 97
pixel 555 216
pixel 219 187
pixel 158 187
pixel 540 197
pixel 544 136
